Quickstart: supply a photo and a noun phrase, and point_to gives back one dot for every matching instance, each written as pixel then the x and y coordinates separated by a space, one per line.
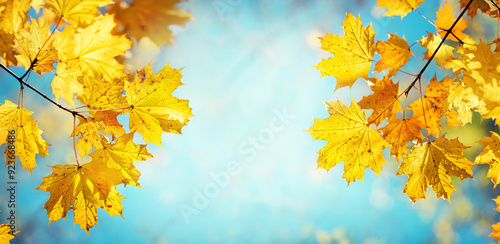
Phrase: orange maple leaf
pixel 398 132
pixel 445 21
pixel 429 108
pixel 384 100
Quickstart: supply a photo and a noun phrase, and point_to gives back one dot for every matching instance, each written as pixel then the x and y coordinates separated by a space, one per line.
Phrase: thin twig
pixel 456 37
pixel 437 49
pixel 432 23
pixel 495 5
pixel 407 90
pixel 38 92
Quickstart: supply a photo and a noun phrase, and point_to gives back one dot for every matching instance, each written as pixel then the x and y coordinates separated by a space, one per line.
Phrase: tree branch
pixel 437 49
pixel 495 4
pixel 22 82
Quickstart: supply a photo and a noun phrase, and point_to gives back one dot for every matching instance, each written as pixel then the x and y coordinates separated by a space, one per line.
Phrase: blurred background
pixel 244 170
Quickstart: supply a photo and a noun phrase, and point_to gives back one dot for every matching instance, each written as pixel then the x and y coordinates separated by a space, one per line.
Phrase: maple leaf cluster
pixel 413 131
pixel 82 43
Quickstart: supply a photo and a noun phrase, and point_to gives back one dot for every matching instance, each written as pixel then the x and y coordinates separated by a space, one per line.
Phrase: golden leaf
pixel 14 15
pixel 28 137
pixel 399 7
pixel 36 48
pixel 121 156
pixel 353 52
pixel 433 164
pixel 444 54
pixel 398 132
pixel 90 51
pixel 153 109
pixel 445 20
pixel 383 100
pixel 139 19
pixel 84 189
pixel 491 155
pixel 5 233
pixel 77 11
pixel 429 109
pixel 350 139
pixel 395 53
pixel 88 129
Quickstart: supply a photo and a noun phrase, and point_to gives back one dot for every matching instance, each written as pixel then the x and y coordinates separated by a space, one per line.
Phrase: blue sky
pixel 244 170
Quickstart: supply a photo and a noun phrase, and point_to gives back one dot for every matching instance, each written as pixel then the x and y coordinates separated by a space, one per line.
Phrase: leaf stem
pixel 428 20
pixel 74 141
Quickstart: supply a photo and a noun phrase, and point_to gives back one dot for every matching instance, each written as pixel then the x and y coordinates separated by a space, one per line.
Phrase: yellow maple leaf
pixel 480 69
pixel 121 156
pixel 88 51
pixel 395 53
pixel 399 7
pixel 153 109
pixel 485 84
pixel 465 101
pixel 398 132
pixel 5 233
pixel 14 15
pixel 7 50
pixel 445 20
pixel 383 100
pixel 491 155
pixel 350 139
pixel 485 58
pixel 66 82
pixel 100 94
pixel 84 189
pixel 445 52
pixel 139 19
pixel 28 137
pixel 88 130
pixel 465 61
pixel 96 48
pixel 77 11
pixel 353 52
pixel 36 49
pixel 433 164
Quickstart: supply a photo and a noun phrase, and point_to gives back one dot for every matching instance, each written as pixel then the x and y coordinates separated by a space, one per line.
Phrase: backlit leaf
pixel 350 139
pixel 352 53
